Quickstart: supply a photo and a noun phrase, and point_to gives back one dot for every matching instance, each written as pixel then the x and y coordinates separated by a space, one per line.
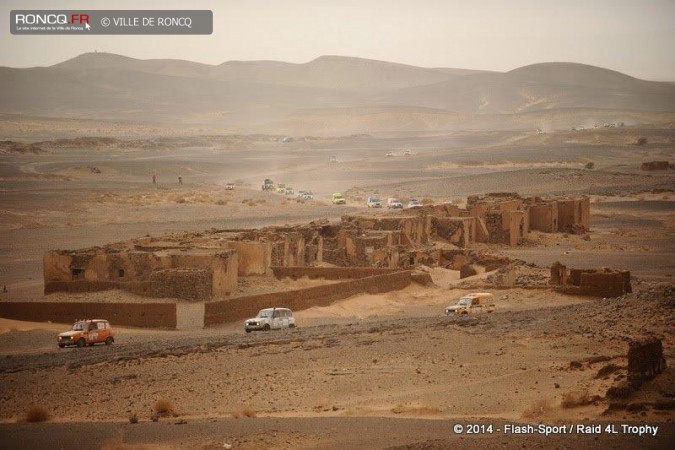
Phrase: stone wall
pixel 416 228
pixel 145 315
pixel 645 359
pixel 574 214
pixel 495 226
pixel 544 217
pixel 592 282
pixel 188 284
pixel 518 225
pixel 330 273
pixel 253 258
pixel 460 231
pixel 244 307
pixel 133 271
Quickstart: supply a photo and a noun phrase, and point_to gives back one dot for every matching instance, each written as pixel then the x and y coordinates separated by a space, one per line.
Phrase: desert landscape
pixel 551 186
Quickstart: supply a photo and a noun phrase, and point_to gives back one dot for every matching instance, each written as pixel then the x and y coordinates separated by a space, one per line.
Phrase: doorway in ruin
pixel 77 273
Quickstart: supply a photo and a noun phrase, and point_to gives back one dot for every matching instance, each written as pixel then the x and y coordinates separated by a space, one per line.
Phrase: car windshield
pixel 265 313
pixel 79 326
pixel 464 301
pixel 374 199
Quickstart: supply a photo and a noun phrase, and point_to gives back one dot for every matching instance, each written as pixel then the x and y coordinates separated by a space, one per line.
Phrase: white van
pixel 270 319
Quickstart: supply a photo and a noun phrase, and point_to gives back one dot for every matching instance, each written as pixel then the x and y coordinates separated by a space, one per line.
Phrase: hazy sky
pixel 632 36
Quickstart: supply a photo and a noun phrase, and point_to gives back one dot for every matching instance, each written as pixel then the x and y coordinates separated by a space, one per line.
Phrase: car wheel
pixel 91 344
pixel 62 345
pixel 109 340
pixel 266 327
pixel 247 330
pixel 81 342
pixel 291 325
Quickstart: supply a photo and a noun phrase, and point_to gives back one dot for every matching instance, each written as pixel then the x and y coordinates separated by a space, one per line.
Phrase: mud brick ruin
pixel 206 266
pixel 593 282
pixel 645 359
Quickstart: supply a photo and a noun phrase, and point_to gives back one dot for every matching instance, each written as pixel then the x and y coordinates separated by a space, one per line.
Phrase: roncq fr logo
pixel 51 19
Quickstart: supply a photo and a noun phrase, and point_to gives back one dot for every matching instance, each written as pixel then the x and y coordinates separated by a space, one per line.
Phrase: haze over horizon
pixel 624 36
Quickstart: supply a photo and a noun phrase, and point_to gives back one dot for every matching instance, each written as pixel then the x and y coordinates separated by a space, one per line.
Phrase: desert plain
pixel 385 370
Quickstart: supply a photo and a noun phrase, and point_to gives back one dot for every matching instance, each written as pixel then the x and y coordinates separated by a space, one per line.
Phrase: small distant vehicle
pixel 394 203
pixel 268 185
pixel 476 303
pixel 414 203
pixel 407 153
pixel 230 187
pixel 289 190
pixel 305 195
pixel 374 202
pixel 332 159
pixel 390 154
pixel 338 199
pixel 281 188
pixel 87 332
pixel 270 319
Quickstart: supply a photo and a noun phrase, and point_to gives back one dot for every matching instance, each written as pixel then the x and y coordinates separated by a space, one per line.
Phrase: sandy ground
pixel 369 371
pixel 512 365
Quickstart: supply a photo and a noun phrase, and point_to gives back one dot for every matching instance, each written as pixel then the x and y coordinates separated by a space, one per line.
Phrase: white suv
pixel 271 319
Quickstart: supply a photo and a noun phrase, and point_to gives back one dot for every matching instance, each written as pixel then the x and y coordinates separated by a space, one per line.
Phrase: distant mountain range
pixel 272 95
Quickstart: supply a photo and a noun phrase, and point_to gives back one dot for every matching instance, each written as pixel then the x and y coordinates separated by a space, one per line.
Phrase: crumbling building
pixel 206 266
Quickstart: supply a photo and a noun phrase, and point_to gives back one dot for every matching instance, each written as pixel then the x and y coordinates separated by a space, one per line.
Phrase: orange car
pixel 91 331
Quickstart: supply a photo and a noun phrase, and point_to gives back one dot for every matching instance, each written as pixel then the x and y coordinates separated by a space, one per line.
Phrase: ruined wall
pixel 467 271
pixel 416 228
pixel 558 274
pixel 290 251
pixel 330 273
pixel 130 270
pixel 592 282
pixel 378 248
pixel 453 259
pixel 244 307
pixel 56 266
pixel 460 231
pixel 645 359
pixel 444 210
pixel 510 205
pixel 494 223
pixel 518 225
pixel 574 214
pixel 544 217
pixel 253 258
pixel 104 265
pixel 602 284
pixel 492 198
pixel 482 232
pixel 224 271
pixel 188 284
pixel 145 315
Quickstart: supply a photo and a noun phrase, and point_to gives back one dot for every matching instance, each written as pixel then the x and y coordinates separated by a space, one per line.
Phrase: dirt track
pixel 310 433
